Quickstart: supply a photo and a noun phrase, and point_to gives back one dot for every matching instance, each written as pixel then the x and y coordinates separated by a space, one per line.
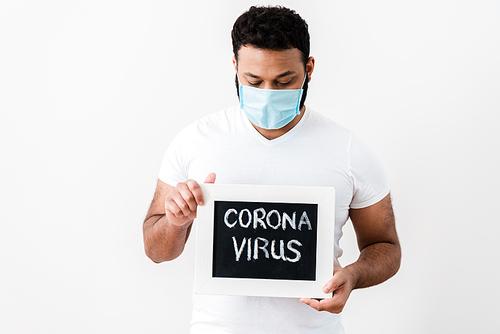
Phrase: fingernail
pixel 326 289
pixel 201 203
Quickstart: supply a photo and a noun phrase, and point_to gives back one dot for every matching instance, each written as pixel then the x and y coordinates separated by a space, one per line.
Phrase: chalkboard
pixel 264 240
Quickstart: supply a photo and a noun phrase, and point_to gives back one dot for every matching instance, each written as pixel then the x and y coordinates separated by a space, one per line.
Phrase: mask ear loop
pixel 240 90
pixel 303 82
pixel 302 91
pixel 238 77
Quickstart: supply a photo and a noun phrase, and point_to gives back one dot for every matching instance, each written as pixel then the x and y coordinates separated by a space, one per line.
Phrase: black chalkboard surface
pixel 256 240
pixel 265 240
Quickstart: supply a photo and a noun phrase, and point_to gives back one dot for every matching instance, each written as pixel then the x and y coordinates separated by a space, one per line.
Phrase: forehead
pixel 265 62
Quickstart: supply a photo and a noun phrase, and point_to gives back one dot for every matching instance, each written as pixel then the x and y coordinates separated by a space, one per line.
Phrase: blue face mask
pixel 270 108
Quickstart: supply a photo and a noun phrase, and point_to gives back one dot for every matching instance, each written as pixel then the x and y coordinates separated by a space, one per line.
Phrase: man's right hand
pixel 169 219
pixel 183 200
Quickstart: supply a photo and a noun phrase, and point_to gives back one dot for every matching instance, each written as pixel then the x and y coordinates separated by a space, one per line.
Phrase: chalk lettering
pixel 249 249
pixel 269 240
pixel 297 253
pixel 261 244
pixel 268 219
pixel 304 220
pixel 226 216
pixel 263 248
pixel 282 250
pixel 273 219
pixel 249 215
pixel 239 250
pixel 257 219
pixel 291 221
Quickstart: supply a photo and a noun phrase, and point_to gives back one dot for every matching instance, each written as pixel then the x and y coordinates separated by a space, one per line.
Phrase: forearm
pixel 376 263
pixel 164 241
pixel 379 258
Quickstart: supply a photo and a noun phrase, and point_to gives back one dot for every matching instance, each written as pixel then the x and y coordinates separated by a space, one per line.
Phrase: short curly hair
pixel 273 28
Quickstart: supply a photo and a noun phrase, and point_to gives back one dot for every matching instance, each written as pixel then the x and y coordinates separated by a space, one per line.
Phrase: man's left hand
pixel 341 285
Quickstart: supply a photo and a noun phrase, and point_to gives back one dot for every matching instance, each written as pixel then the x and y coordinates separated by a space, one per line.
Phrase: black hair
pixel 273 28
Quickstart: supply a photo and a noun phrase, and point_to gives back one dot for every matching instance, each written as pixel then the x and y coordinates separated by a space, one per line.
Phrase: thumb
pixel 210 178
pixel 334 283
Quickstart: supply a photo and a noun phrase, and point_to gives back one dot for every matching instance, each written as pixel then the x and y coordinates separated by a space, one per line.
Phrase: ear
pixel 235 64
pixel 310 67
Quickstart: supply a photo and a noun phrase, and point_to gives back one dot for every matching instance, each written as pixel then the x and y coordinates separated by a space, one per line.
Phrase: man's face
pixel 268 69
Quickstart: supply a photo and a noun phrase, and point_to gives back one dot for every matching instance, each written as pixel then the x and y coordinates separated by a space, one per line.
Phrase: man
pixel 272 138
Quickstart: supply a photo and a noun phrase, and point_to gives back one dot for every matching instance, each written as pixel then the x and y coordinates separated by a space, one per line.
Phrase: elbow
pixel 151 255
pixel 159 245
pixel 154 258
pixel 396 262
pixel 157 256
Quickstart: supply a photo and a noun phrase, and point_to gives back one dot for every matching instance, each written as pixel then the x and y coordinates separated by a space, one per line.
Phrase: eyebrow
pixel 284 74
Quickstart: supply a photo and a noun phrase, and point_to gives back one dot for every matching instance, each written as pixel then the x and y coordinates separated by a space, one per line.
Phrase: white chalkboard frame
pixel 324 197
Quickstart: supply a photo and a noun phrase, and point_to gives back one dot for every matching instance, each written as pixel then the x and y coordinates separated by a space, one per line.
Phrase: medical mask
pixel 270 108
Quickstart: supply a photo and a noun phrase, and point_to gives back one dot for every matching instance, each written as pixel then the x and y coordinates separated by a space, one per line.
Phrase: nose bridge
pixel 268 85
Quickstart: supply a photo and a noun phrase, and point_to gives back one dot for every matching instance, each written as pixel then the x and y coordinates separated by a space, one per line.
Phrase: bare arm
pixel 169 219
pixel 378 242
pixel 379 259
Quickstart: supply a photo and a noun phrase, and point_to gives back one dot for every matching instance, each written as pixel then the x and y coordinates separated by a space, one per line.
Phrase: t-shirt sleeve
pixel 173 167
pixel 369 178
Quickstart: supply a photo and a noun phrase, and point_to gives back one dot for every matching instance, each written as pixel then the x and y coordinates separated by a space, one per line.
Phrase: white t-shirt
pixel 316 152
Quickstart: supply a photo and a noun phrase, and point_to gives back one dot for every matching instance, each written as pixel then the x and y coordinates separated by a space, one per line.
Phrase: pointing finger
pixel 196 192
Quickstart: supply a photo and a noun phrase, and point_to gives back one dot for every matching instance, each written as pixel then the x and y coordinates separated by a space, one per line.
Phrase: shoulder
pixel 218 122
pixel 321 124
pixel 339 137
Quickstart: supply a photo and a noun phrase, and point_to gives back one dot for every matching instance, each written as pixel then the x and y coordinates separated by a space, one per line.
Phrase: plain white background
pixel 92 92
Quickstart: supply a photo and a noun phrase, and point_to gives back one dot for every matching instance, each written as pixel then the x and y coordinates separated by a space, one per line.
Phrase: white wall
pixel 91 93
